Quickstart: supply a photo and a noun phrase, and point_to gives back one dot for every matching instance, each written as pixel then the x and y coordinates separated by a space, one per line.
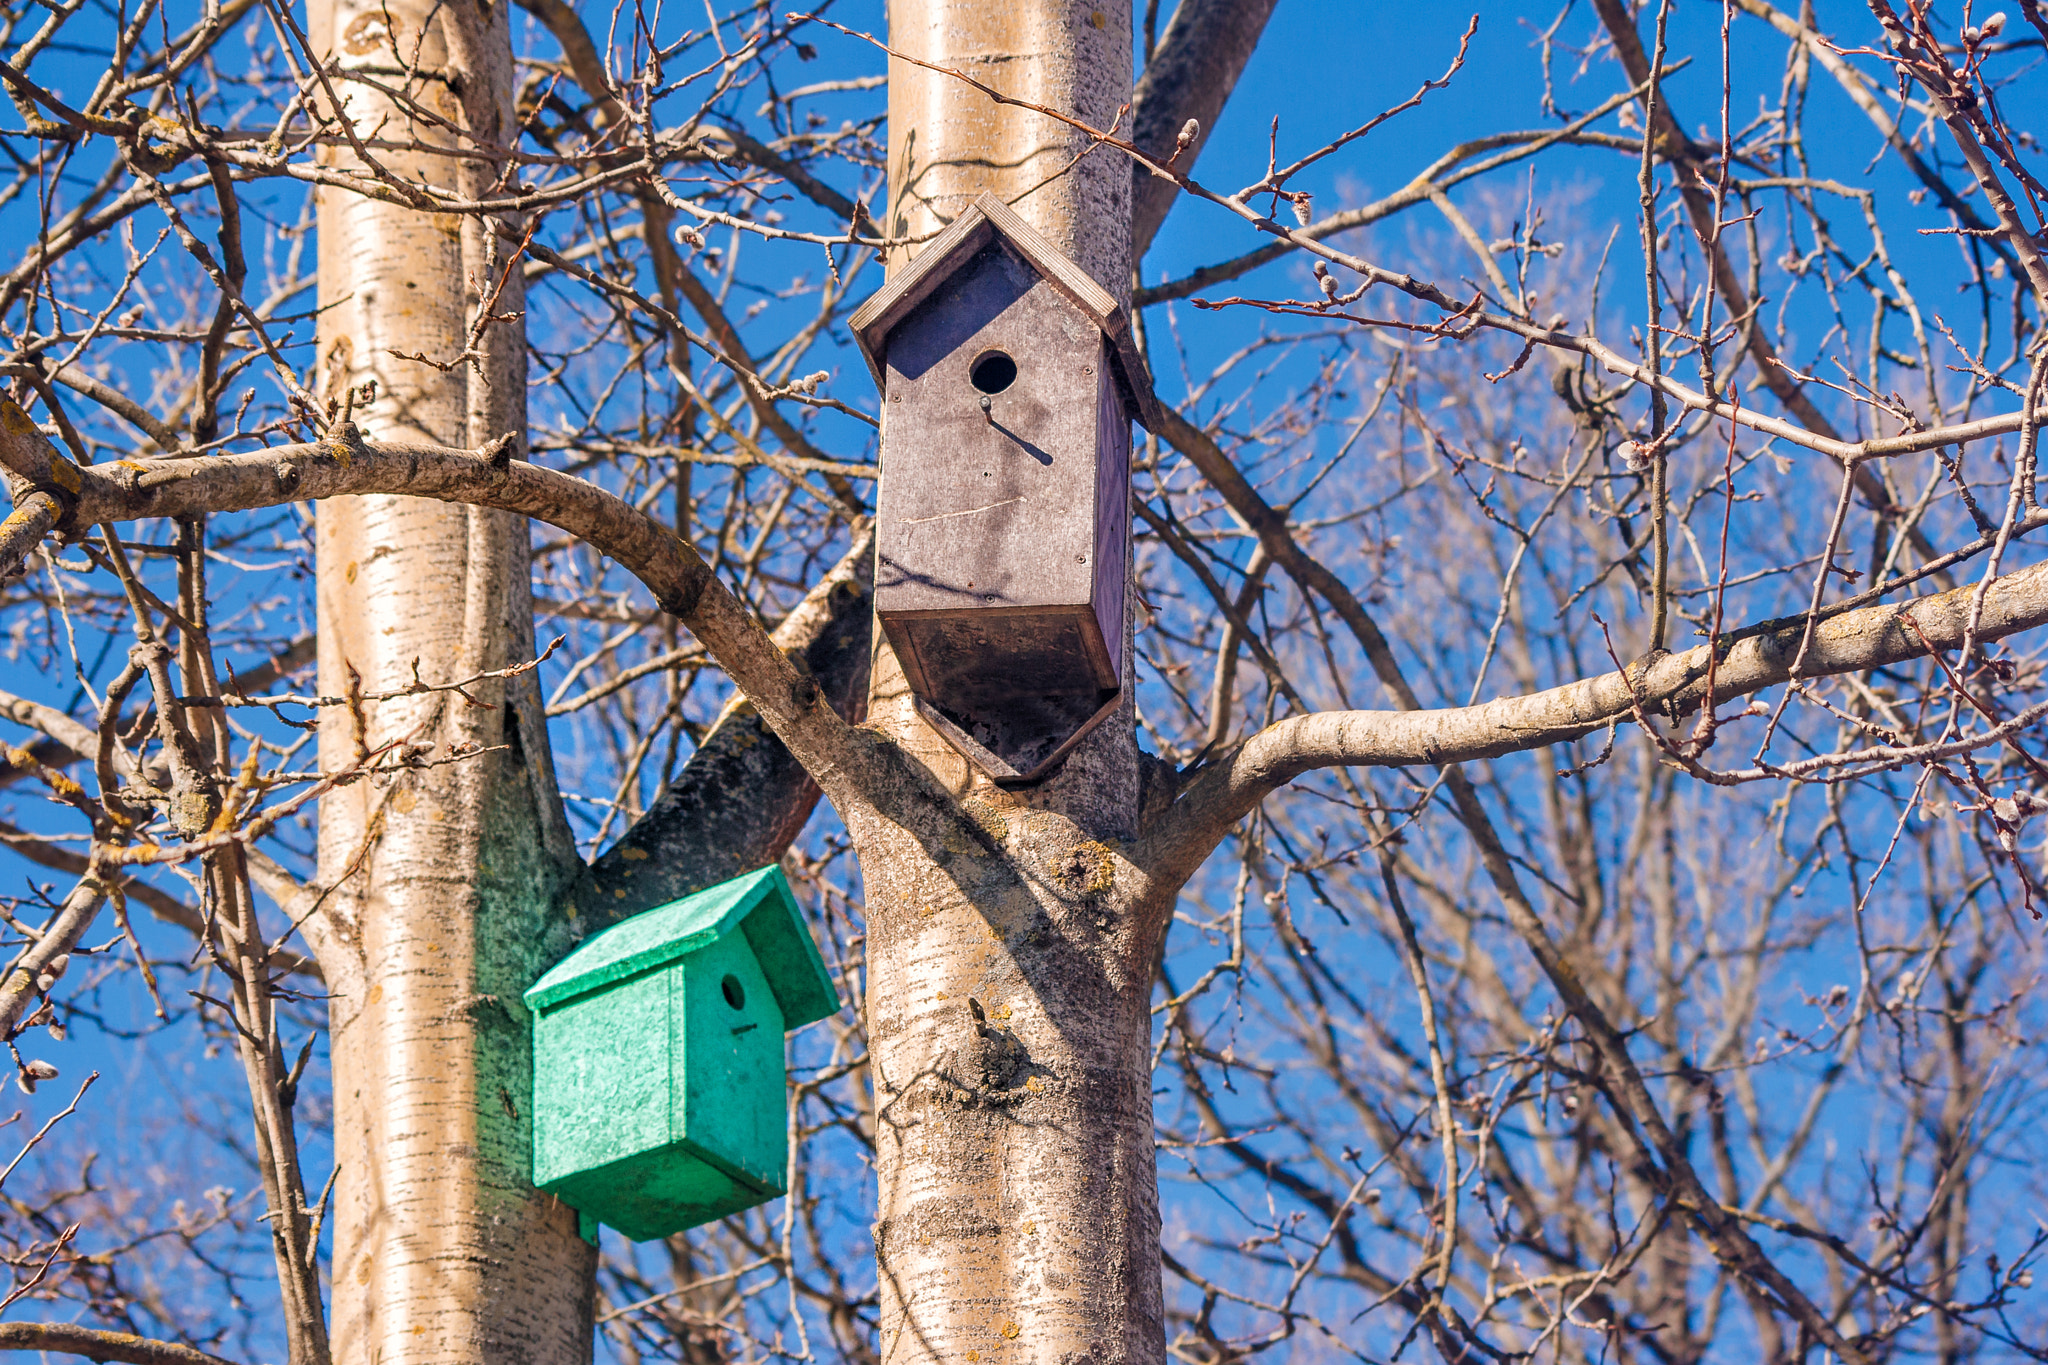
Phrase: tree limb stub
pixel 742 797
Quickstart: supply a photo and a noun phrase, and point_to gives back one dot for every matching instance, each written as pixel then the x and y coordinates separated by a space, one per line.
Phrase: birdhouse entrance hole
pixel 993 373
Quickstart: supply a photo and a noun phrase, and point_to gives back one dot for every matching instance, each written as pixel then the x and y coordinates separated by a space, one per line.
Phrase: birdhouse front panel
pixel 595 1047
pixel 673 1118
pixel 732 1107
pixel 990 542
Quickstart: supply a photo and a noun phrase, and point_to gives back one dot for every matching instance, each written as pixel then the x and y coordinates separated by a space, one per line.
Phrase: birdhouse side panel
pixel 601 1084
pixel 989 509
pixel 1112 512
pixel 732 1104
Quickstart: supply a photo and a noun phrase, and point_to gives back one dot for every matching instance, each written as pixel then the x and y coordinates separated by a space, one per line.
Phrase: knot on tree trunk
pixel 990 1065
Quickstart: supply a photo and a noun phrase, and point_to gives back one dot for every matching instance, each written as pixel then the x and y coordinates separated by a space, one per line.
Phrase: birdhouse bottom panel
pixel 660 1193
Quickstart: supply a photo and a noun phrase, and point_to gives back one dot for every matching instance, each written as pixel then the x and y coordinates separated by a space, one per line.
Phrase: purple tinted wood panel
pixel 1112 510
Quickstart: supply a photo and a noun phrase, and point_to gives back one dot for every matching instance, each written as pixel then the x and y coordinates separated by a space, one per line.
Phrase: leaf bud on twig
pixel 1326 282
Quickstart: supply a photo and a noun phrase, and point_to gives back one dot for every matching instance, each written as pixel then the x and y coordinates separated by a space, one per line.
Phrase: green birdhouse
pixel 658 1097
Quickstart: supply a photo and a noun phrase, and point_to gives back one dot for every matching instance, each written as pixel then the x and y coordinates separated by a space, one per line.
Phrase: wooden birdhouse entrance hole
pixel 1009 383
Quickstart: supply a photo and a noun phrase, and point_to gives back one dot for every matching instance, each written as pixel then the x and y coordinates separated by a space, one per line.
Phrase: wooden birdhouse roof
pixel 985 220
pixel 758 904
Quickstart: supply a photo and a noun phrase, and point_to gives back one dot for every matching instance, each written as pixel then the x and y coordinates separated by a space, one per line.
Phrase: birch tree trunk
pixel 1008 990
pixel 442 878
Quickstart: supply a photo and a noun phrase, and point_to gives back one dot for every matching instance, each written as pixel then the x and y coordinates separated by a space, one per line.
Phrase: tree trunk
pixel 1008 990
pixel 443 875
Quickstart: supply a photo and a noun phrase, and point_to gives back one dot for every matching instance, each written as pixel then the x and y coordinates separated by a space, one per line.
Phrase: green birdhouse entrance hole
pixel 658 1096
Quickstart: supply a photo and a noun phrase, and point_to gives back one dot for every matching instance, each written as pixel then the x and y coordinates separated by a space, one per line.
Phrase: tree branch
pixel 844 762
pixel 72 1339
pixel 163 905
pixel 1670 685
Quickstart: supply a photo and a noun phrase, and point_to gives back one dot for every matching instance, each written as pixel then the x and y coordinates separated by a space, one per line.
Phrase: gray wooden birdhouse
pixel 1009 382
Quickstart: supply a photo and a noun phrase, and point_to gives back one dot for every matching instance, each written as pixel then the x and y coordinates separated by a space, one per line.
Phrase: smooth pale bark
pixel 443 877
pixel 1018 1216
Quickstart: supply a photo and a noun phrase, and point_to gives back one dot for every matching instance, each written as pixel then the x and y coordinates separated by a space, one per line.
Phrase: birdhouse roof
pixel 985 220
pixel 759 905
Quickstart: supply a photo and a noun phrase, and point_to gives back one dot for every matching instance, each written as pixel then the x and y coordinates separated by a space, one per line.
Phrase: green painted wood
pixel 659 1095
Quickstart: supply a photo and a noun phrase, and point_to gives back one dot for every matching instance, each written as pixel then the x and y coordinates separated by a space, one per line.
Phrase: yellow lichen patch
pixel 1098 865
pixel 1034 1085
pixel 1010 1330
pixel 350 572
pixel 987 819
pixel 1030 1227
pixel 1002 1011
pixel 407 799
pixel 634 855
pixel 974 1355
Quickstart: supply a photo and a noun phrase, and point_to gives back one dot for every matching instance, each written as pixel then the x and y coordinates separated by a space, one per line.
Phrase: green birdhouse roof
pixel 758 904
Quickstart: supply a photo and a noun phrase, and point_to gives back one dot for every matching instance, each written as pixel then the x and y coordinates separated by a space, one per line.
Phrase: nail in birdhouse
pixel 1009 382
pixel 658 1097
